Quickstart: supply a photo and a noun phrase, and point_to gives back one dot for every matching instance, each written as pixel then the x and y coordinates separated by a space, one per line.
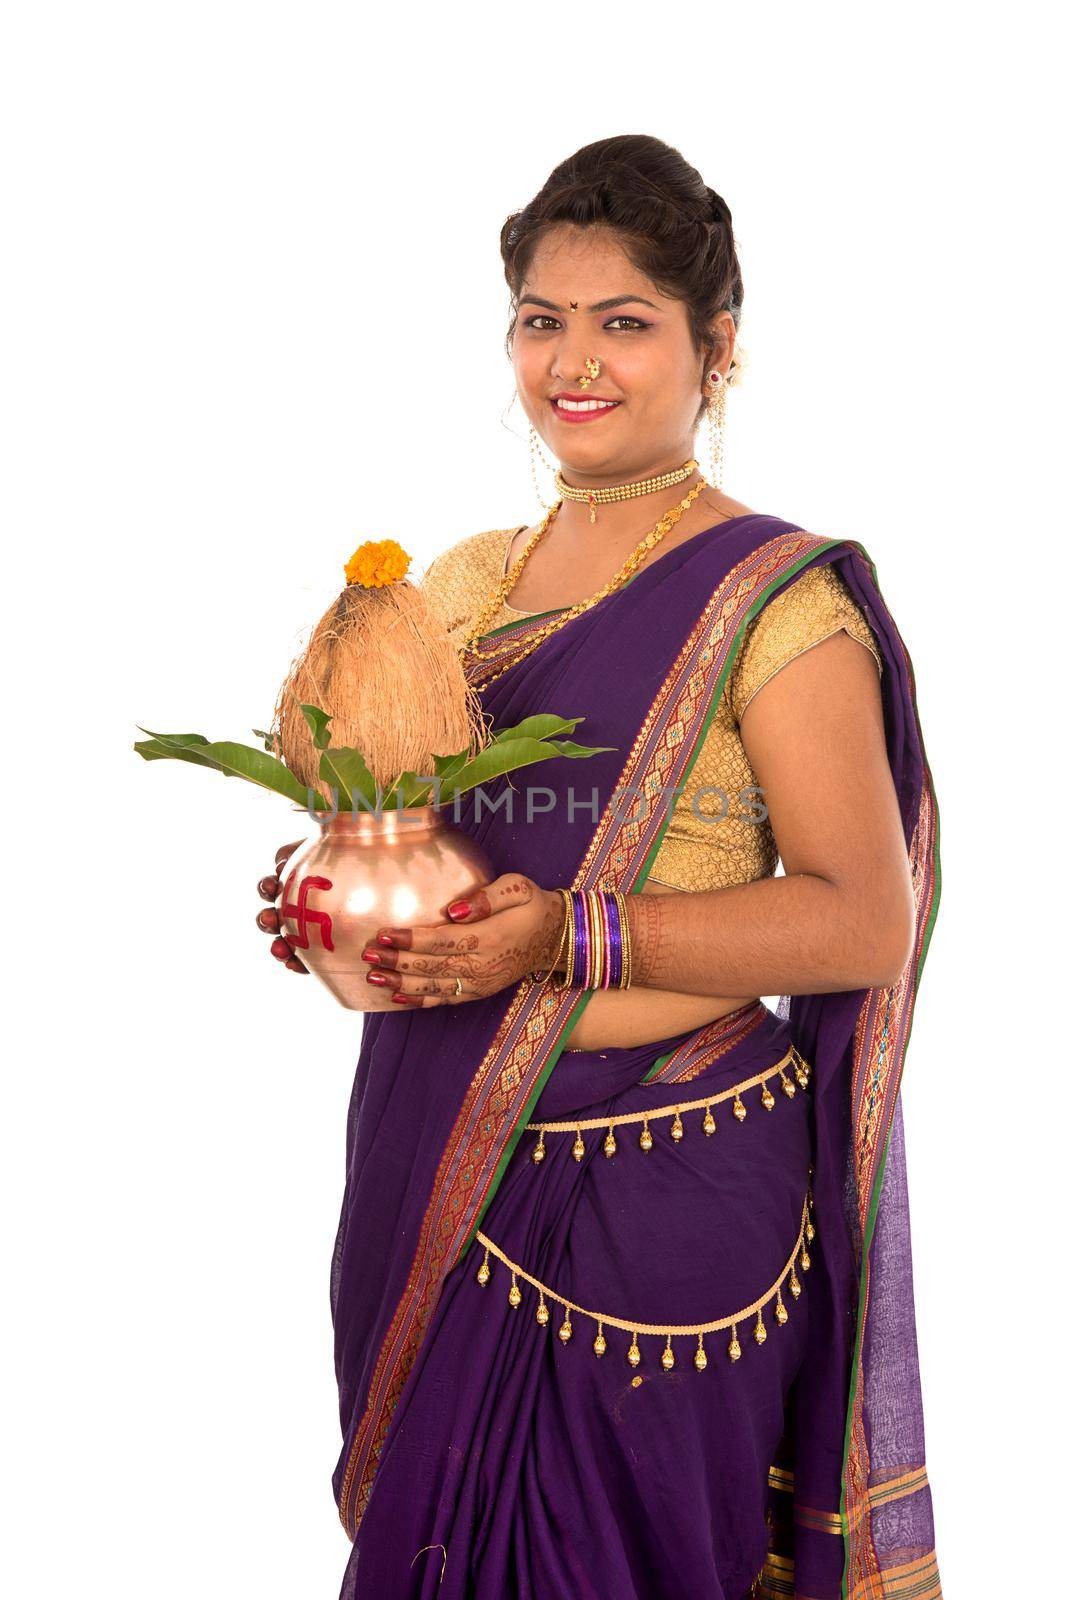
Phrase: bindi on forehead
pixel 598 305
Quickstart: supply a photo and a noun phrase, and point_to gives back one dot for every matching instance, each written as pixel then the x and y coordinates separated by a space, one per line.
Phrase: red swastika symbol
pixel 304 918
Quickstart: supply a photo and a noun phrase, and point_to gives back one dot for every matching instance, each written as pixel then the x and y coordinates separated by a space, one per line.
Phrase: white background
pixel 253 314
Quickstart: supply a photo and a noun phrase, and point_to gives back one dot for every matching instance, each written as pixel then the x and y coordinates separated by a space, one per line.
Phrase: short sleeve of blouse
pixel 459 580
pixel 815 605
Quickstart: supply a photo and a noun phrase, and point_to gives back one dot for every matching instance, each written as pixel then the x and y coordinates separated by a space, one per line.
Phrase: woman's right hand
pixel 270 888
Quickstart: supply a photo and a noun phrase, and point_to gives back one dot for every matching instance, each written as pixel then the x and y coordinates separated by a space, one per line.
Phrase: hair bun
pixel 720 210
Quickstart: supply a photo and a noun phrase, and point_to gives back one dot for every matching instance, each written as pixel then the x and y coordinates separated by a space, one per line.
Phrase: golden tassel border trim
pixel 802 1071
pixel 667 1358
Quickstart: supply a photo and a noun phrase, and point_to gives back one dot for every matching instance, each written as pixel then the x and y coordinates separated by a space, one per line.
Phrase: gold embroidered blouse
pixel 726 843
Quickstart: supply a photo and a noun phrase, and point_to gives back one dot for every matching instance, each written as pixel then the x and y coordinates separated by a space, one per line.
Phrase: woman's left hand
pixel 499 934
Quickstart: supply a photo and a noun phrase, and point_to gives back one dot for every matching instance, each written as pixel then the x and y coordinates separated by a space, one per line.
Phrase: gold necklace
pixel 508 582
pixel 621 491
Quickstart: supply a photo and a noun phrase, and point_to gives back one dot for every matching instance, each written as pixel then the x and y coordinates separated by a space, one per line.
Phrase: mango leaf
pixel 536 727
pixel 507 756
pixel 180 740
pixel 268 738
pixel 406 791
pixel 233 761
pixel 347 771
pixel 544 726
pixel 317 720
pixel 157 750
pixel 417 788
pixel 443 765
pixel 409 789
pixel 567 747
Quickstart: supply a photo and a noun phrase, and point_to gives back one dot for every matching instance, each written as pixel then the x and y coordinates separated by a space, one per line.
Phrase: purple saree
pixel 766 1441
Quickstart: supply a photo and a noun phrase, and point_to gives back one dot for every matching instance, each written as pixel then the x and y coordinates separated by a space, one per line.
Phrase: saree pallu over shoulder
pixel 441 1099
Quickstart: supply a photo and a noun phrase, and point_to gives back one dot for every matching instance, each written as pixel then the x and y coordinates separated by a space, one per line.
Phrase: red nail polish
pixel 459 908
pixel 401 999
pixel 376 977
pixel 384 938
pixel 372 956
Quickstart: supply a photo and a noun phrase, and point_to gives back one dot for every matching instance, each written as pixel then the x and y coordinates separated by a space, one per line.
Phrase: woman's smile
pixel 576 408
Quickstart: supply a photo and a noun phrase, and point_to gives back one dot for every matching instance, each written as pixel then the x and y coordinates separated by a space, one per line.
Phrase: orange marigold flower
pixel 376 563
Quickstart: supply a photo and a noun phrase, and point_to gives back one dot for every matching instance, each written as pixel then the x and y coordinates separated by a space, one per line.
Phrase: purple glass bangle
pixel 617 921
pixel 614 964
pixel 581 943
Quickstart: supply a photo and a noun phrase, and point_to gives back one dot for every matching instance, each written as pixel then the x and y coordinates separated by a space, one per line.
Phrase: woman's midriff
pixel 614 1017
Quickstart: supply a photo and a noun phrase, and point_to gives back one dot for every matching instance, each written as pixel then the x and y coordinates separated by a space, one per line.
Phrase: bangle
pixel 582 939
pixel 569 970
pixel 615 948
pixel 593 900
pixel 626 958
pixel 595 944
pixel 540 977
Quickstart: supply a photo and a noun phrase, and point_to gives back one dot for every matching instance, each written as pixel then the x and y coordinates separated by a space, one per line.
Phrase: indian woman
pixel 622 1291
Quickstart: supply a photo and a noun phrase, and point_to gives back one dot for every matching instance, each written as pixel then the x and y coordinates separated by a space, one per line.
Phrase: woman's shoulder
pixel 812 606
pixel 460 578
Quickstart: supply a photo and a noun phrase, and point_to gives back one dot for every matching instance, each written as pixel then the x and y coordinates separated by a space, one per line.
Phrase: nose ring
pixel 593 368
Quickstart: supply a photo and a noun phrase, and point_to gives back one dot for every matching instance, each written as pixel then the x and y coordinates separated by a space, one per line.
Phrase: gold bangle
pixel 593 907
pixel 624 934
pixel 540 977
pixel 568 942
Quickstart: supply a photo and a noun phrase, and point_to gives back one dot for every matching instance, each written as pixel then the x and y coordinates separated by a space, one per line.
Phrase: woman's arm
pixel 843 916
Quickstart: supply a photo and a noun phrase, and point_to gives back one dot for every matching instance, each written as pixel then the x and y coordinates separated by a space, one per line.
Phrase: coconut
pixel 382 666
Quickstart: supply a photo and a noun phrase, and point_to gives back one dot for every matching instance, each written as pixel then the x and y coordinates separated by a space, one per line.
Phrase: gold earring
pixel 593 368
pixel 715 414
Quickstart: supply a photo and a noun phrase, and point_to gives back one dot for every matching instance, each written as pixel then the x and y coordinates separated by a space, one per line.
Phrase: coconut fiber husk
pixel 382 666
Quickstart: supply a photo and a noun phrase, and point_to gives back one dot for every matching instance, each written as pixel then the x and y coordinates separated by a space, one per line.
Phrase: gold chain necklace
pixel 621 491
pixel 508 582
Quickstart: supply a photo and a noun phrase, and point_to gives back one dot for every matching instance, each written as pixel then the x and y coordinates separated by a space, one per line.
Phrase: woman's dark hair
pixel 672 226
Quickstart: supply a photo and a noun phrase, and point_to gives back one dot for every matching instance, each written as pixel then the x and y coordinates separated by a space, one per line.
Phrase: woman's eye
pixel 532 322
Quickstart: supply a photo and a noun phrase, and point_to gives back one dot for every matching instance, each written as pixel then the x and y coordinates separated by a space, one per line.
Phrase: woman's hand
pixel 269 889
pixel 502 931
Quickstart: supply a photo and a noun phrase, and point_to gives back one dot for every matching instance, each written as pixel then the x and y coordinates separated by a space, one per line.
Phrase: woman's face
pixel 648 364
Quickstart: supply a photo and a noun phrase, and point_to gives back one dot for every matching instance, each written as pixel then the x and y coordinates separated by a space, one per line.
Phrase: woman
pixel 621 1292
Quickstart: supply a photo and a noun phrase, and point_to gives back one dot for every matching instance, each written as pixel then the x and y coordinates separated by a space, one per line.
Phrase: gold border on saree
pixel 669 1331
pixel 609 1145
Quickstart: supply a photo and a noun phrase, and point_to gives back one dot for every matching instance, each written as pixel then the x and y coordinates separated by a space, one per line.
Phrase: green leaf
pixel 347 771
pixel 567 747
pixel 178 739
pixel 544 726
pixel 507 756
pixel 232 760
pixel 156 750
pixel 444 765
pixel 317 720
pixel 409 789
pixel 268 738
